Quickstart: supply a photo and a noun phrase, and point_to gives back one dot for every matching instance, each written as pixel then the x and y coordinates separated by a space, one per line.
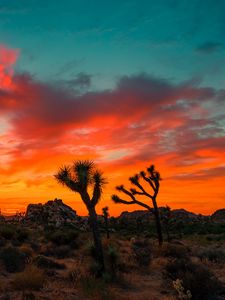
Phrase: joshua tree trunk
pixel 97 239
pixel 157 221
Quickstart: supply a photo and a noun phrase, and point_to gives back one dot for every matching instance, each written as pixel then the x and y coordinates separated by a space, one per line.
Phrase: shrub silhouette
pixel 152 177
pixel 44 262
pixel 13 259
pixel 79 177
pixel 7 231
pixel 195 277
pixel 62 236
pixel 105 212
pixel 212 254
pixel 142 252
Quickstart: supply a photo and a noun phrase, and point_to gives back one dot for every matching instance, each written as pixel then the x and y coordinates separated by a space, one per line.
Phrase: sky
pixel 124 83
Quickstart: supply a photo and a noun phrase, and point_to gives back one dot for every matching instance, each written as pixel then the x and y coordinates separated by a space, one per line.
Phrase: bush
pixel 27 250
pixel 94 288
pixel 196 278
pixel 13 259
pixel 76 272
pixel 31 279
pixel 175 251
pixel 62 251
pixel 142 252
pixel 22 235
pixel 44 262
pixel 90 250
pixel 212 254
pixel 63 237
pixel 2 242
pixel 7 231
pixel 113 257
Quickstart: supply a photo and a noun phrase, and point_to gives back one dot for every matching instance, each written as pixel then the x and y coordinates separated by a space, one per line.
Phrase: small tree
pixel 105 212
pixel 79 177
pixel 152 177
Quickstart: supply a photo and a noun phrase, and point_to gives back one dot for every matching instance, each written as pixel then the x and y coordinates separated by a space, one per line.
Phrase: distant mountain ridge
pixel 55 212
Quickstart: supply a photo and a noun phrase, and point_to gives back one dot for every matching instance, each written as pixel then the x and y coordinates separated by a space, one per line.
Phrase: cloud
pixel 8 58
pixel 209 47
pixel 80 81
pixel 143 119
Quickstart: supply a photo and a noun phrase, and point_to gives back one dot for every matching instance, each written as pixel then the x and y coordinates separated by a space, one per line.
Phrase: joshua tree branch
pixel 117 199
pixel 99 181
pixel 149 180
pixel 134 181
pixel 64 177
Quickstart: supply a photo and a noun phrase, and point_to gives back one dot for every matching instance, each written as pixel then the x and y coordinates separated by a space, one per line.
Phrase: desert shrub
pixel 215 237
pixel 175 251
pixel 90 250
pixel 7 231
pixel 21 234
pixel 44 262
pixel 76 272
pixel 31 279
pixel 94 268
pixel 113 257
pixel 181 293
pixel 142 252
pixel 13 259
pixel 63 251
pixel 2 242
pixel 63 237
pixel 27 250
pixel 196 278
pixel 60 252
pixel 95 288
pixel 212 254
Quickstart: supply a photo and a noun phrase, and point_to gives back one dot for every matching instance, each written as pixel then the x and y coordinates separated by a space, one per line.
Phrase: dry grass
pixel 31 279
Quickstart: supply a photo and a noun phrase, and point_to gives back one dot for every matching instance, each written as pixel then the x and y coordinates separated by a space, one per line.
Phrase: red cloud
pixel 141 120
pixel 8 58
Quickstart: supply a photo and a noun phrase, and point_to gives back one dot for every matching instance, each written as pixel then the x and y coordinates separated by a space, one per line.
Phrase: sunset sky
pixel 125 83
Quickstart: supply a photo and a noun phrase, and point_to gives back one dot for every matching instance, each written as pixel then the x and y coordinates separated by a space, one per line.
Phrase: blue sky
pixel 175 40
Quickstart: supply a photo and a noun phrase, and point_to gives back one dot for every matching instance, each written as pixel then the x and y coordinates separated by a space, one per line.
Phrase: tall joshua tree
pixel 79 177
pixel 105 212
pixel 152 177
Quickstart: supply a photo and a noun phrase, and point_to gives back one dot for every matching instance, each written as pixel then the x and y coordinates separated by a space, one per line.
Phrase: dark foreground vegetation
pixel 157 253
pixel 41 261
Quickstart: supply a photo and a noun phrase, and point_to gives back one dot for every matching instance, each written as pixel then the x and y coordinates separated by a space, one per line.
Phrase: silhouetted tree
pixel 152 177
pixel 105 212
pixel 79 177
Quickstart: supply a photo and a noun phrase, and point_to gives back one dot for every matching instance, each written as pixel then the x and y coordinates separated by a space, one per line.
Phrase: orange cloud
pixel 142 120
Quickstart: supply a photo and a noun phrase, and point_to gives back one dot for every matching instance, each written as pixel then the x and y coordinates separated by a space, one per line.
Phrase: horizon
pixel 7 214
pixel 126 85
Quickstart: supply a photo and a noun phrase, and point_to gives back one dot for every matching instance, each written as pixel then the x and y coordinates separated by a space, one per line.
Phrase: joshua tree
pixel 105 212
pixel 79 177
pixel 152 177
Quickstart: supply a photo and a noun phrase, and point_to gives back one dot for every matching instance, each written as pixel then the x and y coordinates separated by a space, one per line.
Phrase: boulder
pixel 53 213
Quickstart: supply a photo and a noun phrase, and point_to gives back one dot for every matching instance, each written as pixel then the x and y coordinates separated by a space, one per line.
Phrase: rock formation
pixel 53 213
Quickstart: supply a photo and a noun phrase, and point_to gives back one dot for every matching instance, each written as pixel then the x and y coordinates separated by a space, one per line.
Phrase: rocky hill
pixel 178 214
pixel 53 213
pixel 219 216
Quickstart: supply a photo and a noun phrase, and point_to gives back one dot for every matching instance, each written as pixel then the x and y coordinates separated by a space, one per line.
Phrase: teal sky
pixel 176 40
